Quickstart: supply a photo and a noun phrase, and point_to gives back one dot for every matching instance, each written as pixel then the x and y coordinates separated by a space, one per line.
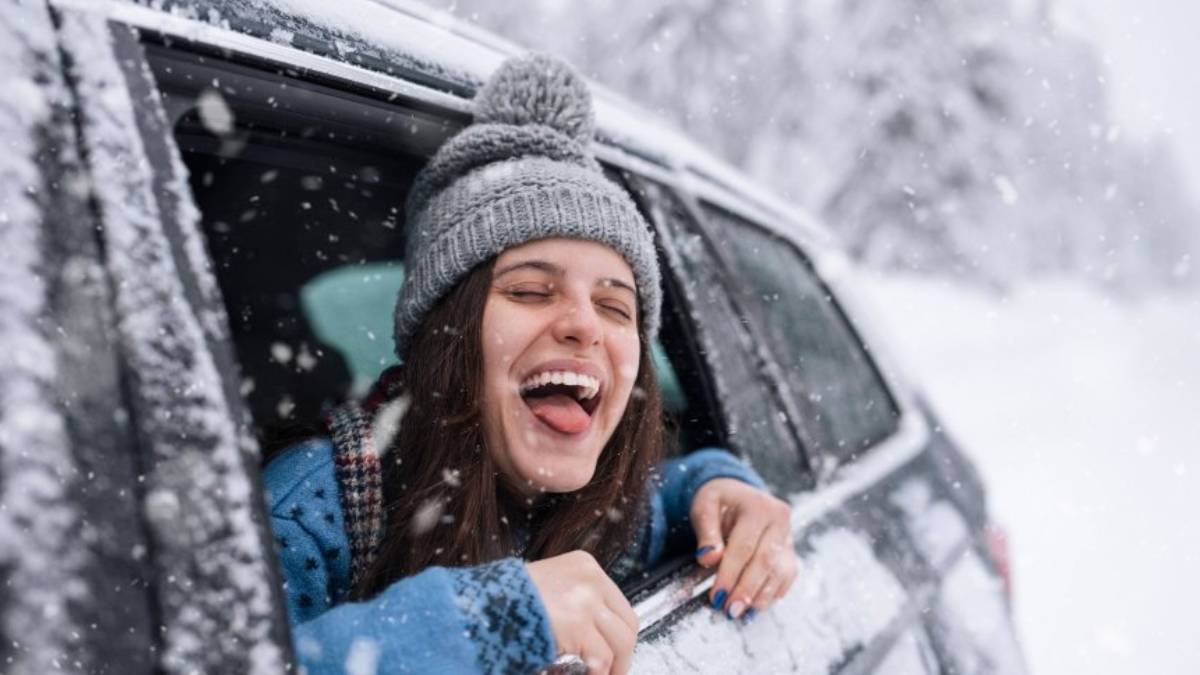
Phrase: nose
pixel 578 324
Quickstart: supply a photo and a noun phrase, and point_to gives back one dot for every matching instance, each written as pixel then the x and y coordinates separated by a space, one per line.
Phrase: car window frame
pixel 229 46
pixel 828 459
pixel 350 79
pixel 91 597
pixel 178 428
pixel 835 273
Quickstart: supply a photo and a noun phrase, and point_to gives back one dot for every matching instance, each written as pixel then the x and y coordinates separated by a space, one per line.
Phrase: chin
pixel 559 476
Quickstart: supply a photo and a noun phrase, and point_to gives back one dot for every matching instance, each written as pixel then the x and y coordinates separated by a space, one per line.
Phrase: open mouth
pixel 563 400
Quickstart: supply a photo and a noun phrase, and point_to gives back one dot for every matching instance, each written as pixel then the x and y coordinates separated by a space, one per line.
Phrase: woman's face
pixel 560 356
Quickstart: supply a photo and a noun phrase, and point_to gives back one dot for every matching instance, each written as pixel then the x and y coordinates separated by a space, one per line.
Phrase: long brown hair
pixel 446 502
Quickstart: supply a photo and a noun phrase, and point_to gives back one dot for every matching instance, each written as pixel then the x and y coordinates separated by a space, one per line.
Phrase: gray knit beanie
pixel 521 171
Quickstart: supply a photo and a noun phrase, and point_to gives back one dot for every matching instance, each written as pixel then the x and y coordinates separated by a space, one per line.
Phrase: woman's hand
pixel 748 533
pixel 588 614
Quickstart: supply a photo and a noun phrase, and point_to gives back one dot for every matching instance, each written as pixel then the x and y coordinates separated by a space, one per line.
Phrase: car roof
pixel 444 53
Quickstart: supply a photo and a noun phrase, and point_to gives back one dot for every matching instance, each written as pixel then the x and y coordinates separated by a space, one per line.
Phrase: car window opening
pixel 304 221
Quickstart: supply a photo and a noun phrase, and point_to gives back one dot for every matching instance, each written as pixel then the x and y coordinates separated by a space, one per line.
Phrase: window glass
pixel 844 403
pixel 753 424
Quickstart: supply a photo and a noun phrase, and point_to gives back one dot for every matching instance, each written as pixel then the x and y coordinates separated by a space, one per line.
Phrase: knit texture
pixel 522 172
pixel 483 618
pixel 505 613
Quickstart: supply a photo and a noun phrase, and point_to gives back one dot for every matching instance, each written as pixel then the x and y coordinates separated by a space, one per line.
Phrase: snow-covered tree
pixel 960 137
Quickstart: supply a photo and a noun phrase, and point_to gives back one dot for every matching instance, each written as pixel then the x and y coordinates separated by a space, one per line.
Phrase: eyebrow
pixel 540 265
pixel 617 283
pixel 555 270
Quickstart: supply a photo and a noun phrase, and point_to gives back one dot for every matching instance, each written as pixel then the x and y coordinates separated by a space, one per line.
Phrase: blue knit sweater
pixel 485 618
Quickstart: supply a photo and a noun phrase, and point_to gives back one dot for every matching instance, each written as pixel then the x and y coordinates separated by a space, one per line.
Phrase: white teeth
pixel 588 386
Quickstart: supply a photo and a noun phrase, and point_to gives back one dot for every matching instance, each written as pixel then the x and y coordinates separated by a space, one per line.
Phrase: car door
pixel 134 534
pixel 73 547
pixel 887 483
pixel 845 596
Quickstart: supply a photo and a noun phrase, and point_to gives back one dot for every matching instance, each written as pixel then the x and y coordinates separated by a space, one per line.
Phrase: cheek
pixel 501 344
pixel 626 357
pixel 506 334
pixel 497 347
pixel 498 357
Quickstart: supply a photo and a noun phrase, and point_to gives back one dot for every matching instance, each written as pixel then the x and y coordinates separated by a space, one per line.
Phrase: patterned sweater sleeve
pixel 667 528
pixel 486 618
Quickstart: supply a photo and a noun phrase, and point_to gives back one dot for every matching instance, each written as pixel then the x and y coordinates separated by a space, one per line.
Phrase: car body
pixel 202 238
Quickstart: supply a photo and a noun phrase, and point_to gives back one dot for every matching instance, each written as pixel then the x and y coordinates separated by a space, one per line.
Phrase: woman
pixel 473 512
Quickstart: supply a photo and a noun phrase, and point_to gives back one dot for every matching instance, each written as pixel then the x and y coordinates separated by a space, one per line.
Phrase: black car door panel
pixel 177 467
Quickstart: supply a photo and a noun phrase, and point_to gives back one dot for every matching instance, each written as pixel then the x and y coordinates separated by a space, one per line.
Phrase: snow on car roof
pixel 455 56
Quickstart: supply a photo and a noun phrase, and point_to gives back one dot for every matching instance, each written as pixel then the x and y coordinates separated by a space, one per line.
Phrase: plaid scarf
pixel 358 429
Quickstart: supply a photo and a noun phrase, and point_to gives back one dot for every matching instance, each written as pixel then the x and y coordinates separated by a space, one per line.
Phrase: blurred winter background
pixel 1018 177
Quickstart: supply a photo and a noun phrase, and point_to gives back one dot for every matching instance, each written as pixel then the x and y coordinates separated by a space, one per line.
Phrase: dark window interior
pixel 844 403
pixel 301 190
pixel 275 218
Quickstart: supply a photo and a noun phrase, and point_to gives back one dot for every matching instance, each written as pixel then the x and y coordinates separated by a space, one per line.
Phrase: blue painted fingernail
pixel 735 609
pixel 705 550
pixel 719 599
pixel 749 615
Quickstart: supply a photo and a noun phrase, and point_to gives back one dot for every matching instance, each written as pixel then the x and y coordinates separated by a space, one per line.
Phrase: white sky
pixel 1152 53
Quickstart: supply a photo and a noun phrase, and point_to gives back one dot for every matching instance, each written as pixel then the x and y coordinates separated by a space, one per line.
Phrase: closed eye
pixel 620 311
pixel 527 292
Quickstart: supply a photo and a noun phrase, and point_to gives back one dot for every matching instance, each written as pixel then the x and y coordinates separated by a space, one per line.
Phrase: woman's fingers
pixel 621 639
pixel 617 623
pixel 597 653
pixel 758 578
pixel 706 521
pixel 754 574
pixel 616 603
pixel 757 563
pixel 588 614
pixel 790 579
pixel 743 541
pixel 780 578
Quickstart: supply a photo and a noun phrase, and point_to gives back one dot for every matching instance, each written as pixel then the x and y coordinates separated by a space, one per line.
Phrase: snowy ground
pixel 1084 415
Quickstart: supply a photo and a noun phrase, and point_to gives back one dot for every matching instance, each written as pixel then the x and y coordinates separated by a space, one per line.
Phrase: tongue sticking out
pixel 561 412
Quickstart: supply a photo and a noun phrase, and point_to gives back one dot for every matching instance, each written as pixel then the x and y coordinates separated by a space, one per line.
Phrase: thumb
pixel 706 521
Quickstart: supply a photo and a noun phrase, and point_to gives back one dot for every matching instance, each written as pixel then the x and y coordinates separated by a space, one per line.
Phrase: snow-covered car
pixel 201 231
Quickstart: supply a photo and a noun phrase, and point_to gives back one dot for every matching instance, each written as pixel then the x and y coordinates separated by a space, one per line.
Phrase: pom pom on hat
pixel 537 89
